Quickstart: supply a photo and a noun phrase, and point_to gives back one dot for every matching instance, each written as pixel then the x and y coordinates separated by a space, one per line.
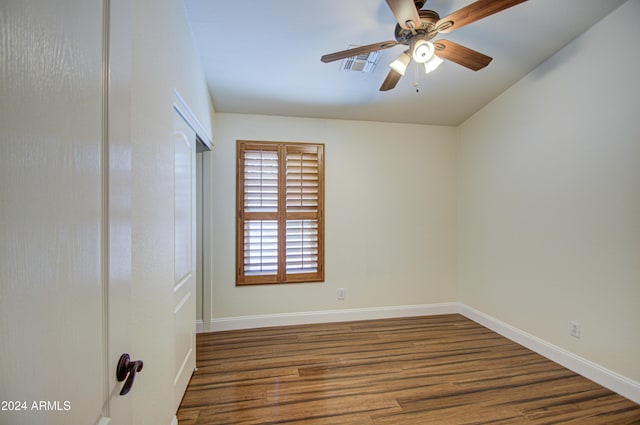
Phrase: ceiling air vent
pixel 365 62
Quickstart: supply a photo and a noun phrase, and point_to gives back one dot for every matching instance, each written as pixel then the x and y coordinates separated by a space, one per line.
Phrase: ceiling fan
pixel 417 28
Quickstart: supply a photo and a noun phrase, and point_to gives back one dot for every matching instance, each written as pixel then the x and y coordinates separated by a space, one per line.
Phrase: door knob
pixel 129 368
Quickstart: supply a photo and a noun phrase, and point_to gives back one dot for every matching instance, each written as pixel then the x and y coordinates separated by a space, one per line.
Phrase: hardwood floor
pixel 424 370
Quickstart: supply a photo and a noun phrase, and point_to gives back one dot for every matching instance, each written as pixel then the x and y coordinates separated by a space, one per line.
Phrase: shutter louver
pixel 260 181
pixel 260 247
pixel 302 180
pixel 302 246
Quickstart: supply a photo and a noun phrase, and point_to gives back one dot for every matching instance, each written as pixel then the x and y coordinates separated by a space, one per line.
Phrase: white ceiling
pixel 263 56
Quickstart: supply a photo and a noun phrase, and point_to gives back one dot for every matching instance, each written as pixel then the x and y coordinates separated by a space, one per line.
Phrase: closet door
pixel 184 303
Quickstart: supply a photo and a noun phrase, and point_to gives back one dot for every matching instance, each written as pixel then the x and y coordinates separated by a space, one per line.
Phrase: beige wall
pixel 164 59
pixel 549 198
pixel 390 215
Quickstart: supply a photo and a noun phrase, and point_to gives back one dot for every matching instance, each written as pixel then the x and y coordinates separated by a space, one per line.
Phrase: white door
pixel 185 255
pixel 64 226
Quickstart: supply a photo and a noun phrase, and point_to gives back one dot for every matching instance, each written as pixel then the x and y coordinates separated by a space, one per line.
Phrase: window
pixel 280 221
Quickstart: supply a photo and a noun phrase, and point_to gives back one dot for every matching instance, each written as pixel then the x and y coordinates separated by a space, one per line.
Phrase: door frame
pixel 187 114
pixel 116 270
pixel 203 237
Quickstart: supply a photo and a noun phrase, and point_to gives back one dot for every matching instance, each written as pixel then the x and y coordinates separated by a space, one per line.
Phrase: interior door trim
pixel 187 114
pixel 104 200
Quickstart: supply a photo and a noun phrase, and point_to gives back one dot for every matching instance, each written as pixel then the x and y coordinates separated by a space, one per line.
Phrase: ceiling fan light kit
pixel 416 28
pixel 432 64
pixel 401 63
pixel 423 50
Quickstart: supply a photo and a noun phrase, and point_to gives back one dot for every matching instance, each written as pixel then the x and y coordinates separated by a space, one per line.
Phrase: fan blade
pixel 405 11
pixel 473 12
pixel 390 82
pixel 461 55
pixel 357 51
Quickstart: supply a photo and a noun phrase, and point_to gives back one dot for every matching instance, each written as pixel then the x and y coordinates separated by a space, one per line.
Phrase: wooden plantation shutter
pixel 280 224
pixel 302 182
pixel 260 205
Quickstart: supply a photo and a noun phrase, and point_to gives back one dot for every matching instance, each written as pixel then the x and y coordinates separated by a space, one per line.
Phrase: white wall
pixel 163 59
pixel 390 215
pixel 549 198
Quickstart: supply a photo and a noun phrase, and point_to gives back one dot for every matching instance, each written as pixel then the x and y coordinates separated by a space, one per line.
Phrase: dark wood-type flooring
pixel 423 370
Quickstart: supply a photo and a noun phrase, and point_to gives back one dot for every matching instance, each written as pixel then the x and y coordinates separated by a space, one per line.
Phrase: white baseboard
pixel 199 326
pixel 328 316
pixel 624 386
pixel 174 421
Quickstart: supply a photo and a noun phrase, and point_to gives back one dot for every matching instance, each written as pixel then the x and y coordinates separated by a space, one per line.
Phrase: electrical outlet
pixel 341 293
pixel 574 329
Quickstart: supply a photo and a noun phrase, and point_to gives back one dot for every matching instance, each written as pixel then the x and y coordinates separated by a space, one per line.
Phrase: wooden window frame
pixel 281 216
